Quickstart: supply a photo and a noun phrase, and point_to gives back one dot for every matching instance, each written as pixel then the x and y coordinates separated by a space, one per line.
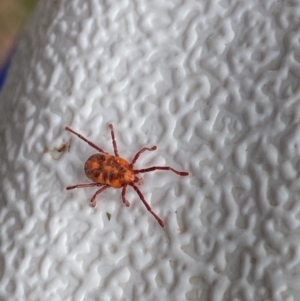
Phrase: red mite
pixel 106 170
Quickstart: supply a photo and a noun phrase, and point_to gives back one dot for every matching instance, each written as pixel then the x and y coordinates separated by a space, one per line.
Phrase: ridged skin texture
pixel 215 85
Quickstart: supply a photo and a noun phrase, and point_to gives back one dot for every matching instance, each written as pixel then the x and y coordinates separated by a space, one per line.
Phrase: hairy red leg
pixel 137 155
pixel 113 140
pixel 124 198
pixel 162 224
pixel 92 202
pixel 181 173
pixel 87 141
pixel 83 185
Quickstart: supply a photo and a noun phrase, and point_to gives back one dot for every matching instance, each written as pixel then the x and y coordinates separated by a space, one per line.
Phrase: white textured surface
pixel 215 84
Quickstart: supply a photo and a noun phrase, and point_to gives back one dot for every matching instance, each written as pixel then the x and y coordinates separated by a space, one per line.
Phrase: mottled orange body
pixel 107 171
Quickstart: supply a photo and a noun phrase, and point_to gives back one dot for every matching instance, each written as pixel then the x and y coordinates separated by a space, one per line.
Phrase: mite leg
pixel 87 141
pixel 124 198
pixel 162 224
pixel 113 140
pixel 83 185
pixel 137 155
pixel 93 202
pixel 180 173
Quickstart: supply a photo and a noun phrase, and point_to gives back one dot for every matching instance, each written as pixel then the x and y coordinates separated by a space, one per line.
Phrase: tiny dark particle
pixel 108 215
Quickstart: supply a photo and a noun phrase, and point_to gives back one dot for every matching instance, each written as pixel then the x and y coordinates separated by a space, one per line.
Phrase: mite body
pixel 107 170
